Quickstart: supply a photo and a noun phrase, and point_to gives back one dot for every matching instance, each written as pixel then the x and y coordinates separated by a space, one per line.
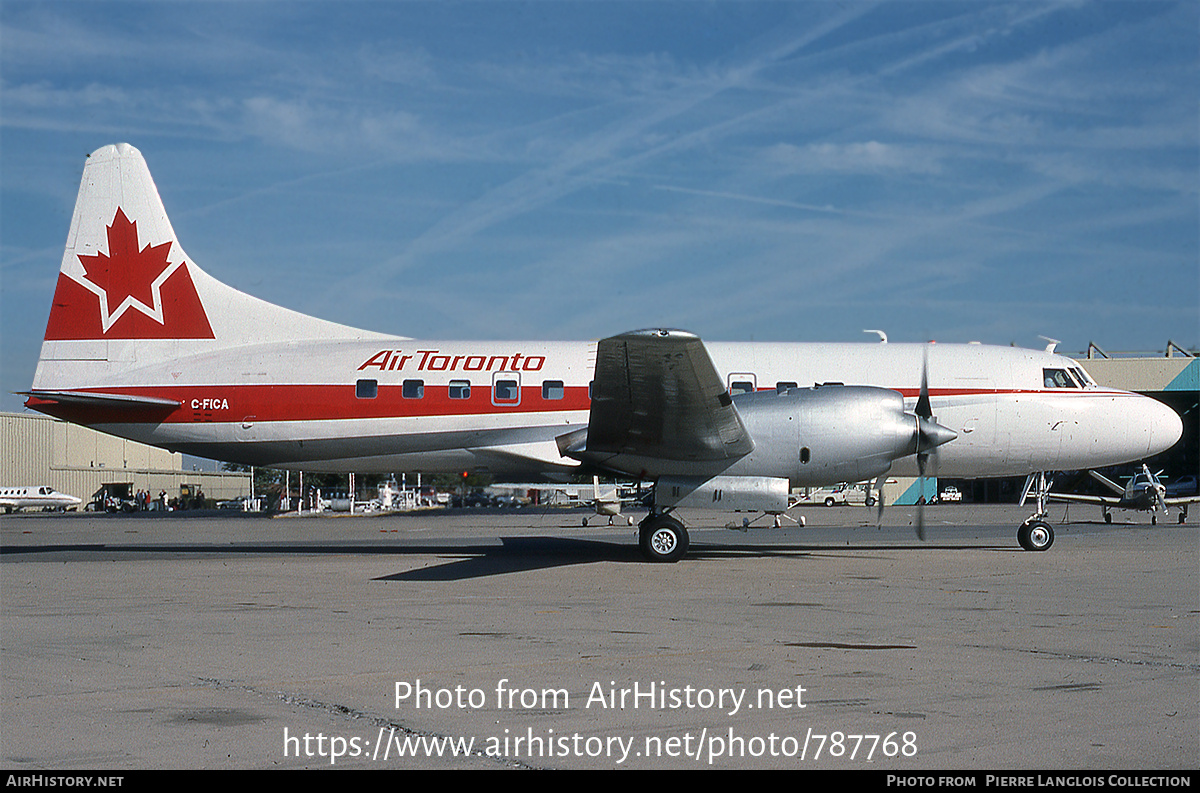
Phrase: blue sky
pixel 771 171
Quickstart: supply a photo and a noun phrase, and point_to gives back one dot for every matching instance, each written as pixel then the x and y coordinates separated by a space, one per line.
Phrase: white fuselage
pixel 399 404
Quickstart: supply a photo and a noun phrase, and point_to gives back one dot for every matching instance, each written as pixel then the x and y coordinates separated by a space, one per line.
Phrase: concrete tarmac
pixel 523 640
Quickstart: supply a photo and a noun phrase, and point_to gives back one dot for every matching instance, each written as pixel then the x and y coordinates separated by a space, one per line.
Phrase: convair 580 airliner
pixel 143 344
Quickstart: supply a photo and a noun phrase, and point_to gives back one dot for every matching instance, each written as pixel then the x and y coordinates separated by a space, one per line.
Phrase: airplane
pixel 1142 492
pixel 15 499
pixel 607 503
pixel 143 344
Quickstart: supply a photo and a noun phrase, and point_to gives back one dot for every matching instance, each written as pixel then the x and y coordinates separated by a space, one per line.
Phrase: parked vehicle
pixel 1183 486
pixel 474 499
pixel 113 497
pixel 841 495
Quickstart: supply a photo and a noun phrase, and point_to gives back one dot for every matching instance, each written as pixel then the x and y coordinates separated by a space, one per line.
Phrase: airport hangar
pixel 75 460
pixel 39 450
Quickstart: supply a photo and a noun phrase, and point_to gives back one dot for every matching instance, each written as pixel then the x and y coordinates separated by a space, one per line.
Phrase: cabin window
pixel 553 389
pixel 804 455
pixel 506 389
pixel 1057 378
pixel 460 389
pixel 742 383
pixel 366 389
pixel 413 389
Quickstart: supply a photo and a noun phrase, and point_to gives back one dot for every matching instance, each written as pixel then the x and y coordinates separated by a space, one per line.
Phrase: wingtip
pixel 672 333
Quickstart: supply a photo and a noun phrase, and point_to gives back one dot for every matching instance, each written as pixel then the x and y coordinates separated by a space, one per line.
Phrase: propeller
pixel 1160 492
pixel 879 482
pixel 929 435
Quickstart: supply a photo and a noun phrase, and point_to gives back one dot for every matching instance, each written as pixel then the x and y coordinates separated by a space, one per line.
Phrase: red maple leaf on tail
pixel 125 271
pixel 132 308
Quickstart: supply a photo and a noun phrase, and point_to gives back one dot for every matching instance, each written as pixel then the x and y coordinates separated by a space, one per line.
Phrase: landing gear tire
pixel 1035 535
pixel 663 539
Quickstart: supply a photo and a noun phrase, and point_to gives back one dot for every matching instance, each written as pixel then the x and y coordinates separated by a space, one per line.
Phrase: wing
pixel 1112 502
pixel 1110 484
pixel 657 400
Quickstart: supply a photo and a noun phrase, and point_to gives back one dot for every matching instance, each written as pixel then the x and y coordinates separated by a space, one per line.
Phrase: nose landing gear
pixel 1035 534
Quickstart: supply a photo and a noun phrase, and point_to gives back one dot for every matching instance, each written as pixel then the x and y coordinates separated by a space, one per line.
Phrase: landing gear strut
pixel 662 538
pixel 1035 534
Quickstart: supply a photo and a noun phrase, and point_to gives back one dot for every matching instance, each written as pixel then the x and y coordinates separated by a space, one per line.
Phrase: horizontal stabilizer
pixel 93 399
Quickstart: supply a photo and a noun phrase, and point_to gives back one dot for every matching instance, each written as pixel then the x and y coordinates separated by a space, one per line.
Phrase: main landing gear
pixel 662 538
pixel 1035 534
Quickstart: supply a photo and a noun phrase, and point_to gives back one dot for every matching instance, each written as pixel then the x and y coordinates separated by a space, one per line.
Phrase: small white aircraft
pixel 143 344
pixel 15 499
pixel 1142 492
pixel 607 503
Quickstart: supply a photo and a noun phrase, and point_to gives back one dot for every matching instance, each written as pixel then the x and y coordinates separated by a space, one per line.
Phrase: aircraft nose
pixel 1164 426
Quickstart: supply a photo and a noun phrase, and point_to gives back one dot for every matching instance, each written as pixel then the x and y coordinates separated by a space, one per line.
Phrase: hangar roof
pixel 1145 375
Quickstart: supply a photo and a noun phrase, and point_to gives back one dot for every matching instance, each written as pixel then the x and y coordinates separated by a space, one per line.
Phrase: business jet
pixel 143 344
pixel 1143 492
pixel 15 499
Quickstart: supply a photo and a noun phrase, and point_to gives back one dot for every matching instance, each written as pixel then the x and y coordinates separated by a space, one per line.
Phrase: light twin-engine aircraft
pixel 143 344
pixel 36 497
pixel 1142 492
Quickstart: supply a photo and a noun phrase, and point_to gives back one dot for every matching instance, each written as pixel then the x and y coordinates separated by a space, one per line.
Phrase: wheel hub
pixel 663 541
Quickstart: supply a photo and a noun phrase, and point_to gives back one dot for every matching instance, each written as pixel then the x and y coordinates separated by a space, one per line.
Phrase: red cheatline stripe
pixel 222 403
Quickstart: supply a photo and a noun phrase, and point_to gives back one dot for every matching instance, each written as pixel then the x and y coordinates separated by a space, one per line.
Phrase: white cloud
pixel 870 156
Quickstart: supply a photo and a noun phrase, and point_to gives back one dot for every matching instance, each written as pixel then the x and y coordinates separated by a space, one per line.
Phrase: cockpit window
pixel 1058 378
pixel 1083 377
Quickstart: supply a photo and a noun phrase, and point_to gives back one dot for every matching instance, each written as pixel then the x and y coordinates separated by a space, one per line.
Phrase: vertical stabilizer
pixel 123 273
pixel 128 296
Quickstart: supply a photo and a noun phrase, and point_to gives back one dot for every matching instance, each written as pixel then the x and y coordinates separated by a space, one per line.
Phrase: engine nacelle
pixel 733 493
pixel 825 434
